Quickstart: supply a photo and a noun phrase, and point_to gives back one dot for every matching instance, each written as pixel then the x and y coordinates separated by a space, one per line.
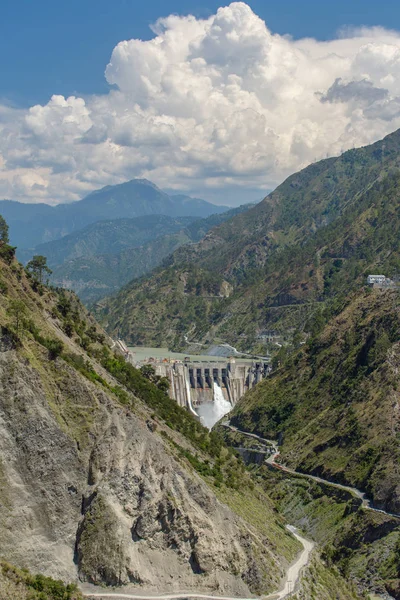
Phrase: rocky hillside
pixel 278 265
pixel 106 479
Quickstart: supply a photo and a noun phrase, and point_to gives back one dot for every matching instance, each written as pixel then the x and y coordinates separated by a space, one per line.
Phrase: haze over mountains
pixel 315 237
pixel 99 259
pixel 33 224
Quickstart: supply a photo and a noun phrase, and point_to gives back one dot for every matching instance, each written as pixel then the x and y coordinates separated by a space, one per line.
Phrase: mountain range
pixel 279 266
pixel 99 259
pixel 33 224
pixel 105 478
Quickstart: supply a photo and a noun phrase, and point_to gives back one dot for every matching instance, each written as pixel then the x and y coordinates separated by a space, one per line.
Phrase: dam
pixel 210 389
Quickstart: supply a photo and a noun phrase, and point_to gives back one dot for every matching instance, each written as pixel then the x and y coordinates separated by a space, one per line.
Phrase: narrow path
pixel 291 580
pixel 271 460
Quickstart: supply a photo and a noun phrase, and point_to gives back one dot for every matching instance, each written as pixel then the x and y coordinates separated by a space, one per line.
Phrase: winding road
pixel 292 578
pixel 272 461
pixel 294 571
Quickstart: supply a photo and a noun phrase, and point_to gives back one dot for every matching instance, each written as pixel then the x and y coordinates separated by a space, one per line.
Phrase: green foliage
pixel 39 586
pixel 122 396
pixel 37 267
pixel 3 288
pixel 78 362
pixel 17 310
pixel 7 253
pixel 4 238
pixel 149 373
pixel 331 403
pixel 64 304
pixel 54 347
pixel 224 470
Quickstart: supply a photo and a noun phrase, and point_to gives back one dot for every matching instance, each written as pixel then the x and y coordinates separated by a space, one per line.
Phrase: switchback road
pixel 272 461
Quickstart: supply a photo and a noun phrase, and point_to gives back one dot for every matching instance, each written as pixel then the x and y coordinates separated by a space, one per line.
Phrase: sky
pixel 223 104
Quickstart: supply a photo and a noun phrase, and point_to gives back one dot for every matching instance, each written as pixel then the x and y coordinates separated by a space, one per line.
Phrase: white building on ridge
pixel 376 279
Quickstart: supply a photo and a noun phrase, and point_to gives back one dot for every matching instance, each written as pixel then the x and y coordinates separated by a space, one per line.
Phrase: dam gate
pixel 192 382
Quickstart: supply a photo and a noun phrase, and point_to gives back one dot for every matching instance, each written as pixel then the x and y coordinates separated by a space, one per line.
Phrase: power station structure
pixel 192 382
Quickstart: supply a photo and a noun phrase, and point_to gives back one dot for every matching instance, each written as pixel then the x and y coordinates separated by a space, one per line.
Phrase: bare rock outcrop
pixel 88 490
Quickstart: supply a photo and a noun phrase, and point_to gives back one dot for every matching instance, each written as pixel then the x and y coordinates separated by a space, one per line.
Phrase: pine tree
pixel 38 267
pixel 4 238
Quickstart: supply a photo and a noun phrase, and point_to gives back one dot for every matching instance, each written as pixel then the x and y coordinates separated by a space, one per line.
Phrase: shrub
pixel 7 253
pixel 55 348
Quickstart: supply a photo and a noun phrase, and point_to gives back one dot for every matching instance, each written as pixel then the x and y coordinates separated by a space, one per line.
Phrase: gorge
pixel 116 467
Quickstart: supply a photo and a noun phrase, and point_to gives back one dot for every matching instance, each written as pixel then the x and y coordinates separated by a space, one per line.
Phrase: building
pixel 376 280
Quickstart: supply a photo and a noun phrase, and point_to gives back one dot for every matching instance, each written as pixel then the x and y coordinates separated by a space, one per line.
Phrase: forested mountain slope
pixel 93 277
pixel 279 264
pixel 335 405
pixel 99 259
pixel 108 237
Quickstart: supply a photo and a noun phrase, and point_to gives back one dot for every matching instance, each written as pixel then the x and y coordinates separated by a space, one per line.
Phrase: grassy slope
pixel 19 584
pixel 334 403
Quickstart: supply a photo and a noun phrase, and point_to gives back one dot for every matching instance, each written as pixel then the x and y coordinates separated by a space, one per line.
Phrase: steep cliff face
pixel 94 485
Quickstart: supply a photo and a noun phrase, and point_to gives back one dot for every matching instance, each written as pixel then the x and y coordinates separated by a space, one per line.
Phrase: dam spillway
pixel 194 384
pixel 211 412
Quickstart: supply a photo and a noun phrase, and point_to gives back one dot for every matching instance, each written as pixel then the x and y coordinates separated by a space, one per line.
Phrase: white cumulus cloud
pixel 207 105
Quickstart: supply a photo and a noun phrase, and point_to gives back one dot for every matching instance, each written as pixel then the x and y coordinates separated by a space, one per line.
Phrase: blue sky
pixel 223 105
pixel 52 47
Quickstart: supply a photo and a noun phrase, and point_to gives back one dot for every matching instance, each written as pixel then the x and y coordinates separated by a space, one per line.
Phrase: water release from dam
pixel 211 412
pixel 208 386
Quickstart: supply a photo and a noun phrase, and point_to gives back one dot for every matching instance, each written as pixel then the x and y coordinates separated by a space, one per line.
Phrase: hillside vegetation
pixel 107 237
pixel 334 404
pixel 282 265
pixel 19 584
pixel 98 260
pixel 103 477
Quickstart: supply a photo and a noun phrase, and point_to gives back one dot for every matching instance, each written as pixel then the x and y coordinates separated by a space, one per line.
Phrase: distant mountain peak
pixel 31 225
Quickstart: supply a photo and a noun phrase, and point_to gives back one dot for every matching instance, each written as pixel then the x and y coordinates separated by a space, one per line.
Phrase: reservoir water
pixel 142 353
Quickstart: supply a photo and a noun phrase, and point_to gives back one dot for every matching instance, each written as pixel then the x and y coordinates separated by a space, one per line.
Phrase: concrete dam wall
pixel 193 384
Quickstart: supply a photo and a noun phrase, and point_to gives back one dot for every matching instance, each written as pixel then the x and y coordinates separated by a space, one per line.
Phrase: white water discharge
pixel 211 412
pixel 189 398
